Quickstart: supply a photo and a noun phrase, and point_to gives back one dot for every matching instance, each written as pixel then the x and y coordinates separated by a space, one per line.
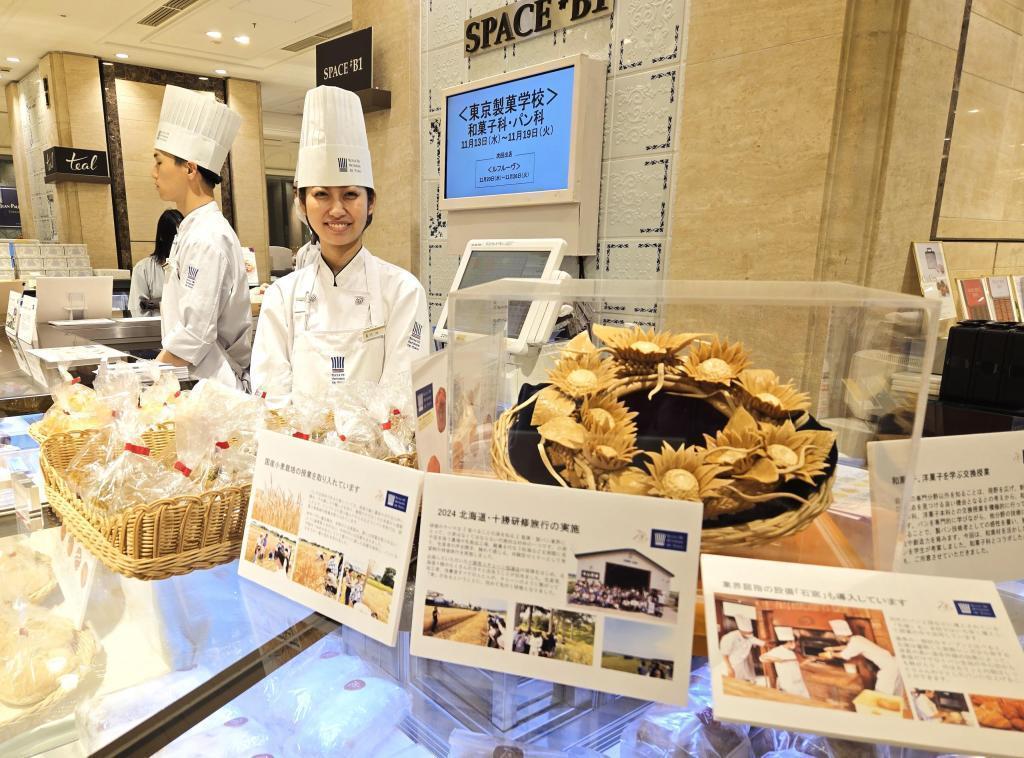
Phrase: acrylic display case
pixel 863 357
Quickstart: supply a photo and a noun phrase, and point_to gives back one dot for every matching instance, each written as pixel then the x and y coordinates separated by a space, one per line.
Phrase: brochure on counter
pixel 587 589
pixel 76 355
pixel 966 516
pixel 333 531
pixel 430 385
pixel 897 659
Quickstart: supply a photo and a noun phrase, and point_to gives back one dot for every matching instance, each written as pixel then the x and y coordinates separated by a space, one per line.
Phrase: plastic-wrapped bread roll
pixel 25 572
pixel 232 734
pixel 38 655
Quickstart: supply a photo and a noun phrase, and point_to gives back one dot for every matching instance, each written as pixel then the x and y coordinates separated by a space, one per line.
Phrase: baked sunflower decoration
pixel 765 458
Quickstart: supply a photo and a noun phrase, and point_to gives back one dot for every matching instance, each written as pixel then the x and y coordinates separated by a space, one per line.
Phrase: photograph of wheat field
pixel 277 507
pixel 318 568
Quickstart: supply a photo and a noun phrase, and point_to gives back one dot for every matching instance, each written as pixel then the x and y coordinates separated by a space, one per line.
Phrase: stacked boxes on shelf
pixel 78 260
pixel 28 259
pixel 55 263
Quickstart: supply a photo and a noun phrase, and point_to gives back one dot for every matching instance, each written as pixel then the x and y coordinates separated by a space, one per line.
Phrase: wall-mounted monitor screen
pixel 510 137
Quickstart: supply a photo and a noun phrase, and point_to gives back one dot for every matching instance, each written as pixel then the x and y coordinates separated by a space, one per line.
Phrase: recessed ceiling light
pixel 974 110
pixel 214 34
pixel 204 78
pixel 122 56
pixel 12 59
pixel 107 63
pixel 220 72
pixel 242 39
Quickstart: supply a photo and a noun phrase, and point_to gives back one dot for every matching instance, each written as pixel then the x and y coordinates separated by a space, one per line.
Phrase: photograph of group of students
pixel 808 654
pixel 623 582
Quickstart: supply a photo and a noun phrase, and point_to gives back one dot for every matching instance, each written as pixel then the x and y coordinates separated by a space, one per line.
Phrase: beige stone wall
pixel 393 134
pixel 85 211
pixel 138 111
pixel 248 181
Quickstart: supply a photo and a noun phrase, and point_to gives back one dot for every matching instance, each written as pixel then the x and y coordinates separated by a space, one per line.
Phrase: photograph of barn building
pixel 624 582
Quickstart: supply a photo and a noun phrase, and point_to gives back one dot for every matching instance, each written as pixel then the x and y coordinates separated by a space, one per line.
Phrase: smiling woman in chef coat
pixel 347 314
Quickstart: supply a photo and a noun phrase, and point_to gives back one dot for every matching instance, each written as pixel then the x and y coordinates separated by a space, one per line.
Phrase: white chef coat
pixel 789 677
pixel 148 282
pixel 205 311
pixel 887 680
pixel 310 307
pixel 736 648
pixel 308 253
pixel 926 709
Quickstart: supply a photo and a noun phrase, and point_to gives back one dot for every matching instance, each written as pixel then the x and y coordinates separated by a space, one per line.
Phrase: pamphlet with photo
pixel 588 589
pixel 897 659
pixel 934 276
pixel 332 530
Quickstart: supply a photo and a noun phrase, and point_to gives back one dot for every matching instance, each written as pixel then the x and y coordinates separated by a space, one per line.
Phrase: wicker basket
pixel 167 537
pixel 751 533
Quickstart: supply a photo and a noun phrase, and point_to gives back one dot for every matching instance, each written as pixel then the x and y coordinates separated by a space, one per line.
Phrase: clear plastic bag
pixel 104 719
pixel 228 732
pixel 234 419
pixel 355 431
pixel 41 656
pixel 691 732
pixel 466 744
pixel 306 418
pixel 157 401
pixel 27 573
pixel 75 406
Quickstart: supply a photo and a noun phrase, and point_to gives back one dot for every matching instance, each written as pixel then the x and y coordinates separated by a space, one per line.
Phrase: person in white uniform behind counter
pixel 148 275
pixel 348 315
pixel 205 314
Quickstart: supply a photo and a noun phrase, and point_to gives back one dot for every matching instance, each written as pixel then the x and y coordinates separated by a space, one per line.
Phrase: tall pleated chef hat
pixel 840 628
pixel 195 127
pixel 744 624
pixel 784 633
pixel 333 149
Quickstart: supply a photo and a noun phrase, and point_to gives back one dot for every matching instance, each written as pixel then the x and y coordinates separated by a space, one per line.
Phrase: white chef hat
pixel 743 624
pixel 784 633
pixel 333 149
pixel 195 127
pixel 840 628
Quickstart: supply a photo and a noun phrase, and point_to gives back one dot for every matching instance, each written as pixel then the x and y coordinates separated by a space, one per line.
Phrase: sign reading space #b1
pixel 527 18
pixel 346 62
pixel 75 164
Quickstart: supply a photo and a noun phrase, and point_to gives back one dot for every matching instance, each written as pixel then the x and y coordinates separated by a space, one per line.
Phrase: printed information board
pixel 333 531
pixel 891 658
pixel 588 589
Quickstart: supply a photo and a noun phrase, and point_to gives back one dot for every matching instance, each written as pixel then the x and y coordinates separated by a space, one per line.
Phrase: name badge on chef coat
pixel 374 333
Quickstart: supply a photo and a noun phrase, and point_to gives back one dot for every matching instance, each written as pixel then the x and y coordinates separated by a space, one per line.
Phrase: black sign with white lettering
pixel 74 164
pixel 10 213
pixel 346 62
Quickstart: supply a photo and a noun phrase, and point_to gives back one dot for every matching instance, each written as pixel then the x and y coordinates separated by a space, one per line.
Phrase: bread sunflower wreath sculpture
pixel 677 416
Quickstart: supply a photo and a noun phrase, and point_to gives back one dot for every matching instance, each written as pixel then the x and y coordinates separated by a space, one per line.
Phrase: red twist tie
pixel 386 426
pixel 301 435
pixel 395 412
pixel 342 437
pixel 179 466
pixel 178 393
pixel 263 396
pixel 114 414
pixel 222 445
pixel 137 449
pixel 76 379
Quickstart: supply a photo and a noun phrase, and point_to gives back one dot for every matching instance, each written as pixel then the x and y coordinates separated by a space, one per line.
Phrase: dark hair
pixel 371 196
pixel 211 179
pixel 166 229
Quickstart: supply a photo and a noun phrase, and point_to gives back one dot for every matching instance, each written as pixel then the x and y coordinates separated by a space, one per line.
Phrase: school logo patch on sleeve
pixel 190 276
pixel 416 338
pixel 338 369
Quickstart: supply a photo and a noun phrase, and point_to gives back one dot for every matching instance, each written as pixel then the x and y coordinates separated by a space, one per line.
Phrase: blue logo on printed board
pixel 337 369
pixel 971 608
pixel 424 399
pixel 668 540
pixel 190 276
pixel 396 501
